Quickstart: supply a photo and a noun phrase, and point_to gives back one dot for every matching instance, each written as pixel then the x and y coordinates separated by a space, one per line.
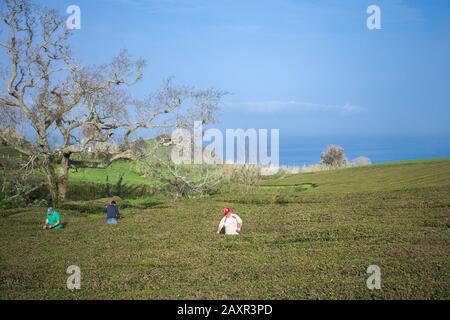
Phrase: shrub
pixel 90 190
pixel 247 175
pixel 82 207
pixel 361 161
pixel 280 199
pixel 305 187
pixel 183 180
pixel 334 156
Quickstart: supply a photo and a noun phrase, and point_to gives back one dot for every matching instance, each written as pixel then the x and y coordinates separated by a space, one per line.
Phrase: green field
pixel 305 236
pixel 113 173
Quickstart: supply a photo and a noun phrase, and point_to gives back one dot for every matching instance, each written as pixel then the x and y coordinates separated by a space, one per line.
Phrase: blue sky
pixel 305 67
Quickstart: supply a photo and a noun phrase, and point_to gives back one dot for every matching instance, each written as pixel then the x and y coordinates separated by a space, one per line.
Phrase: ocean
pixel 305 150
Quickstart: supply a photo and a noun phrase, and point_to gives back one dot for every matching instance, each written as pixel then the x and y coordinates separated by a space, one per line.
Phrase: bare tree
pixel 178 179
pixel 246 175
pixel 334 156
pixel 185 180
pixel 68 108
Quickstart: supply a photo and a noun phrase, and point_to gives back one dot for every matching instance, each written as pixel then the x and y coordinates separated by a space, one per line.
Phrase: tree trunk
pixel 64 176
pixel 52 180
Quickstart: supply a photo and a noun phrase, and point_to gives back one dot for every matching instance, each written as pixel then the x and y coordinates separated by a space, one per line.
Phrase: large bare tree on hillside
pixel 52 107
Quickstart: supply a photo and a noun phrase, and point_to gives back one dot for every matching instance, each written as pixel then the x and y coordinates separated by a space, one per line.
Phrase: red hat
pixel 226 211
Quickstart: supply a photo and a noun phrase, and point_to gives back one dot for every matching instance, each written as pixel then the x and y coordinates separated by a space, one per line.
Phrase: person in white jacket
pixel 231 222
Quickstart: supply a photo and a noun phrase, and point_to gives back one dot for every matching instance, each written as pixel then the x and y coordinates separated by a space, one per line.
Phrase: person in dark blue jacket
pixel 112 213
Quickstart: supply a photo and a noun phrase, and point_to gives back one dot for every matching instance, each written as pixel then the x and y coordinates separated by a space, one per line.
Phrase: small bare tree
pixel 334 156
pixel 68 108
pixel 186 180
pixel 178 179
pixel 247 175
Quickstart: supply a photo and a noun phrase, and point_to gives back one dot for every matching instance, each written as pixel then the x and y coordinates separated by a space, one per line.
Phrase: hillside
pixel 379 177
pixel 296 244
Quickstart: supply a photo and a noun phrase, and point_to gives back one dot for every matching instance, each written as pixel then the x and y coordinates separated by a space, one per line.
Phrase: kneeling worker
pixel 112 213
pixel 52 220
pixel 231 221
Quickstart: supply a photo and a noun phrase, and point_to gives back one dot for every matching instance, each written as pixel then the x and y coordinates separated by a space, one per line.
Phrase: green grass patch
pixel 111 175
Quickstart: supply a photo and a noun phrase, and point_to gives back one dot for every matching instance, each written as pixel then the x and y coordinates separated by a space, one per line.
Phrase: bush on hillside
pixel 247 175
pixel 361 161
pixel 334 157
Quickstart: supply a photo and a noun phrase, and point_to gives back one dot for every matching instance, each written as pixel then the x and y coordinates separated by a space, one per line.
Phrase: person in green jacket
pixel 53 220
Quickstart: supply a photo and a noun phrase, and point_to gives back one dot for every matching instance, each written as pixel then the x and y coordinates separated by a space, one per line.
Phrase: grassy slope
pixel 313 244
pixel 389 176
pixel 131 177
pixel 113 172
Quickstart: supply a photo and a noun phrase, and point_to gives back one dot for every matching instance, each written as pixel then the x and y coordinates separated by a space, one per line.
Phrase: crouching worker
pixel 112 213
pixel 231 222
pixel 52 220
